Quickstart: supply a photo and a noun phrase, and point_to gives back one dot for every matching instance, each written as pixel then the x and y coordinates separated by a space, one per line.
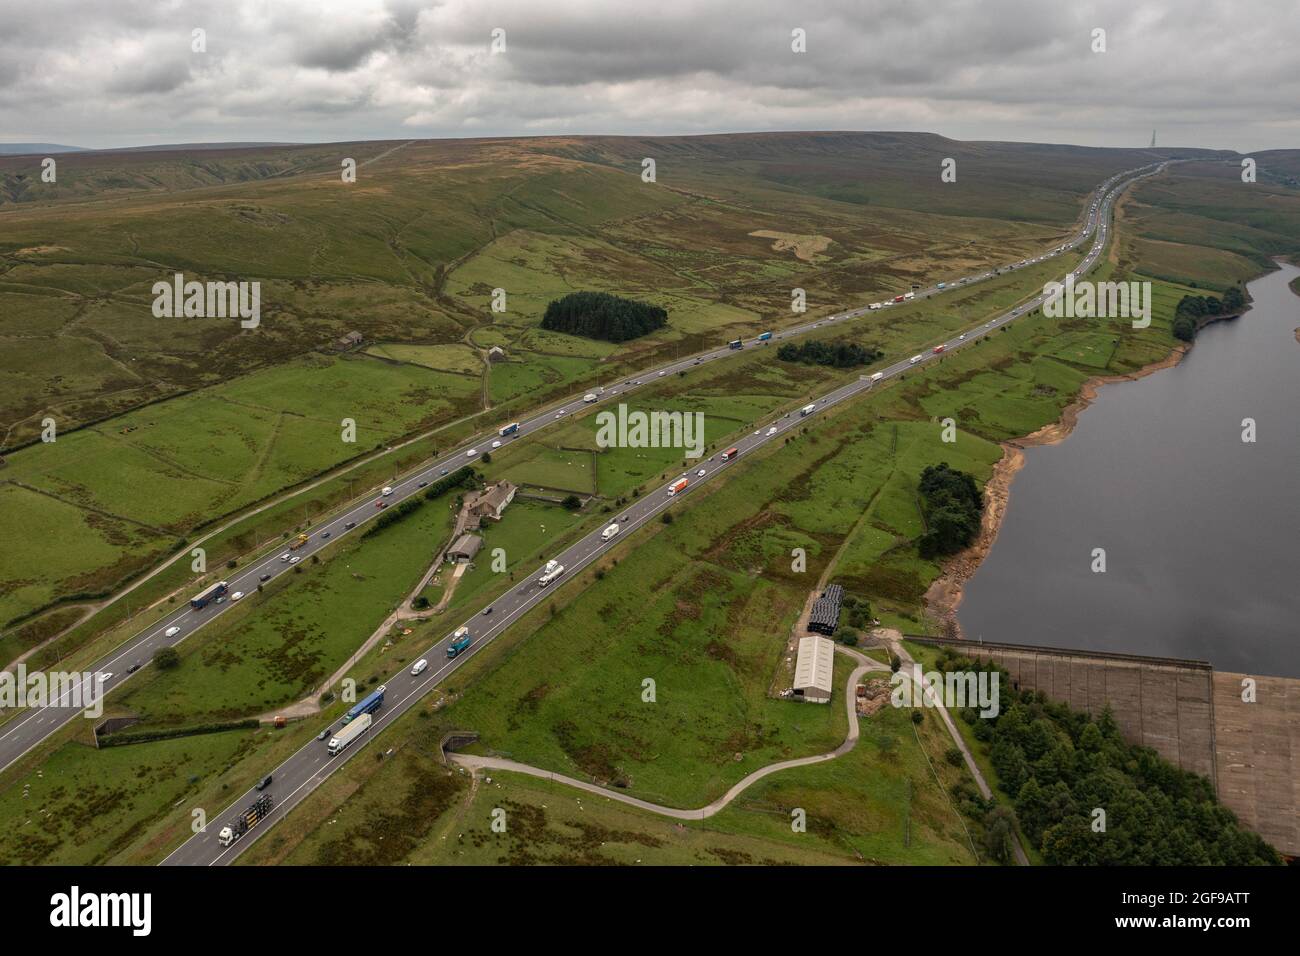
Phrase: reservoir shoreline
pixel 944 596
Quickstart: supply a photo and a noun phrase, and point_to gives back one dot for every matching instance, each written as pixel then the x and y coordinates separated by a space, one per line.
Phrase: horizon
pixel 140 74
pixel 268 144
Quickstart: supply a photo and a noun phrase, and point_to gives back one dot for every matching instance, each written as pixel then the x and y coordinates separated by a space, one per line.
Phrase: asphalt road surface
pixel 306 768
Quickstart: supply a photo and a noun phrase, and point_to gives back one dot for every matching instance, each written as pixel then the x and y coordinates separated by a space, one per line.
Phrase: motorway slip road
pixel 298 776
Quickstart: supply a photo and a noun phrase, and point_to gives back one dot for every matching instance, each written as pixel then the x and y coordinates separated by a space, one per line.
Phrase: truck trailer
pixel 204 598
pixel 807 410
pixel 729 454
pixel 510 429
pixel 459 641
pixel 368 706
pixel 256 812
pixel 552 571
pixel 350 732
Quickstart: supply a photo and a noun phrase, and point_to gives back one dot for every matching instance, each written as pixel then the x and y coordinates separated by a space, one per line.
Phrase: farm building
pixel 814 669
pixel 351 340
pixel 825 615
pixel 491 501
pixel 463 551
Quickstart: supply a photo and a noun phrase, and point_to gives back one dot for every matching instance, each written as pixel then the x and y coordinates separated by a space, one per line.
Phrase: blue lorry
pixel 368 706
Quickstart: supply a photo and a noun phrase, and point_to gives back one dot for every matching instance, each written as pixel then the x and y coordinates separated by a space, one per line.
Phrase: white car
pixel 663 373
pixel 237 595
pixel 471 453
pixel 496 444
pixel 419 667
pixel 171 631
pixel 771 432
pixel 387 491
pixel 295 559
pixel 962 336
pixel 286 556
pixel 700 473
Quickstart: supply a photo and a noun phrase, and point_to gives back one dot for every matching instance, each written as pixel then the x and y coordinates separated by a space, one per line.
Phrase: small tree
pixel 571 503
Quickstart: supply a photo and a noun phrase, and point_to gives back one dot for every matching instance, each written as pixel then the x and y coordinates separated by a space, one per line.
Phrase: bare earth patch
pixel 803 247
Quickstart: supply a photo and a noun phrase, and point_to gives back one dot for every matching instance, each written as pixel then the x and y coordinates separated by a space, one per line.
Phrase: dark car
pixel 443 472
pixel 488 609
pixel 424 484
pixel 133 668
pixel 324 734
pixel 265 577
pixel 266 782
pixel 324 535
pixel 350 524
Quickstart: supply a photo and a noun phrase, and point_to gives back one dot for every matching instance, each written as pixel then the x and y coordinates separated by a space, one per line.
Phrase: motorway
pixel 298 776
pixel 305 769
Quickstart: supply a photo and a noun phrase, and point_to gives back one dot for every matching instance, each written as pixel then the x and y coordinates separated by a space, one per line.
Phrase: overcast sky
pixel 106 73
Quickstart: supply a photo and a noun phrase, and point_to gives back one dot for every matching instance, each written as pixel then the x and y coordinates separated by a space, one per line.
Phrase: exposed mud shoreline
pixel 944 595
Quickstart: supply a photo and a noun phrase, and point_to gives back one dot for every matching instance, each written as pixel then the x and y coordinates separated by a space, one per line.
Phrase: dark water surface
pixel 1201 531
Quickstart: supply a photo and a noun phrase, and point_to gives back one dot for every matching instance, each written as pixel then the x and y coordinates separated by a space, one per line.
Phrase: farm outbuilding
pixel 814 669
pixel 465 548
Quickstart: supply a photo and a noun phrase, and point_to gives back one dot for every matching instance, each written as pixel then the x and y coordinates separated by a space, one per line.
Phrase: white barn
pixel 814 669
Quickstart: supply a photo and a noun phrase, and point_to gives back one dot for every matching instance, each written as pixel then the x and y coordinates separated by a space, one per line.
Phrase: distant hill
pixel 23 149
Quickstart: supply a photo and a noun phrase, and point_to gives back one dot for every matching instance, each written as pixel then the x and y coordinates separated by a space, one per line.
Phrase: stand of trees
pixel 599 315
pixel 834 354
pixel 953 506
pixel 1192 309
pixel 1058 766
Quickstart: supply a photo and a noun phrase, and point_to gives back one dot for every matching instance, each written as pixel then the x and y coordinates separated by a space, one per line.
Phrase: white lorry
pixel 609 532
pixel 552 571
pixel 807 410
pixel 914 359
pixel 350 732
pixel 590 397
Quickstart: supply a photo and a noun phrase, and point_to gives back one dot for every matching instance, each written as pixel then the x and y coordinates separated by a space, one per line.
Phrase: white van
pixel 419 667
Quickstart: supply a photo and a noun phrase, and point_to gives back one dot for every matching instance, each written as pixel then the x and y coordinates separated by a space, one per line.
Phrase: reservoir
pixel 1201 530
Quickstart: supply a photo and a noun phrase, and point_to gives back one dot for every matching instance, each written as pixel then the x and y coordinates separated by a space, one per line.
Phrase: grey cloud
pixel 92 73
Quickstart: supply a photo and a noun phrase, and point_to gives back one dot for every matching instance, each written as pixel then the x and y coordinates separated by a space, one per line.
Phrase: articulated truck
pixel 257 812
pixel 729 454
pixel 368 706
pixel 552 571
pixel 510 429
pixel 203 599
pixel 459 641
pixel 350 732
